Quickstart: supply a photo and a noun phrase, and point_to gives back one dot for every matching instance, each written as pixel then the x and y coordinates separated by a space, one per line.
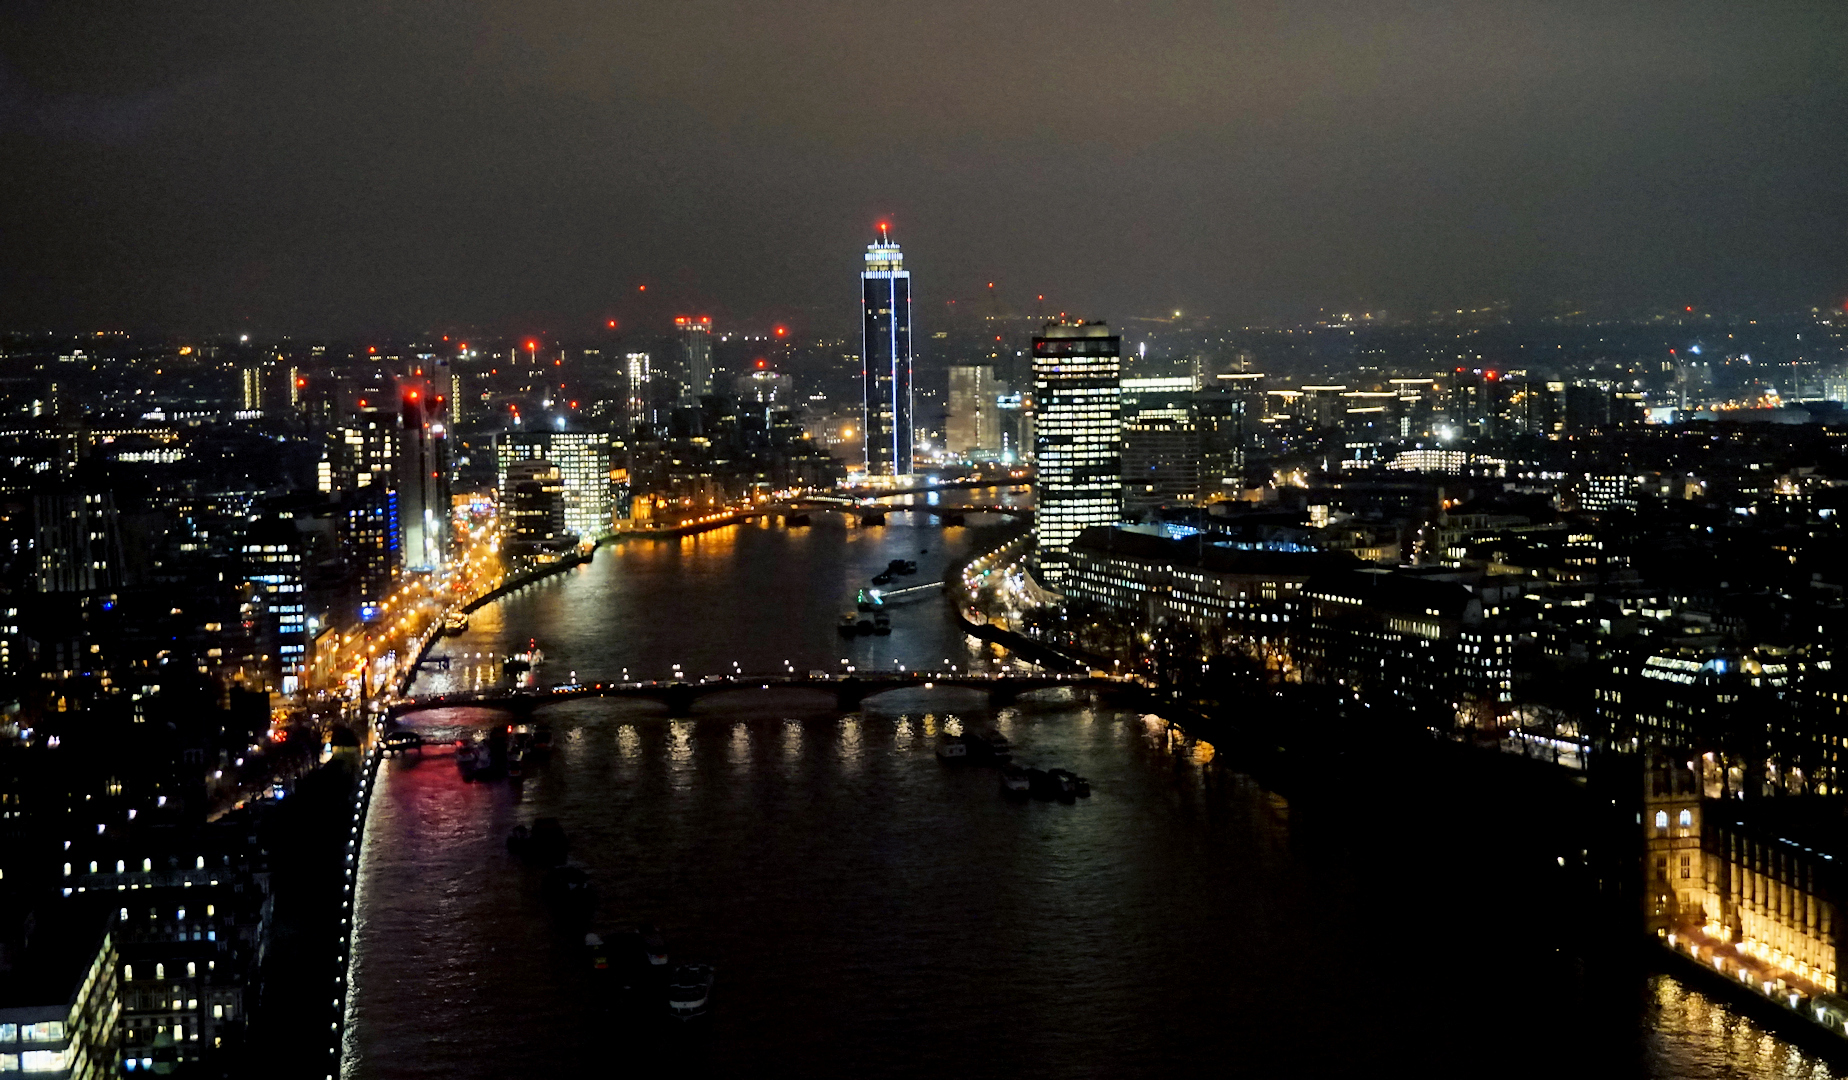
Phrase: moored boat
pixel 688 990
pixel 953 748
pixel 1015 784
pixel 471 758
pixel 654 944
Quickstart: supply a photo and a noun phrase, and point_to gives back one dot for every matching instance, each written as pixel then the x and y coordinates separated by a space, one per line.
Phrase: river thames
pixel 872 911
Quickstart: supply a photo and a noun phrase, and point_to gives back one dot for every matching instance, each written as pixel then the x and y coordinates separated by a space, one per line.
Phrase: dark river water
pixel 871 911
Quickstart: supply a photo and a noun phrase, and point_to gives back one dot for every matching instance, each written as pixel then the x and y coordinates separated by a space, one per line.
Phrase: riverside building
pixel 1078 437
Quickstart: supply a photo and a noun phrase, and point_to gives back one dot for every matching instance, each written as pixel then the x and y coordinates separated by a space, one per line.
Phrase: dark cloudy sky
pixel 325 165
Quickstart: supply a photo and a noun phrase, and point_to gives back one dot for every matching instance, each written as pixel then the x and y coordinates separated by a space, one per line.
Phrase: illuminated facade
pixel 973 426
pixel 1078 437
pixel 885 358
pixel 582 459
pixel 638 369
pixel 423 475
pixel 695 357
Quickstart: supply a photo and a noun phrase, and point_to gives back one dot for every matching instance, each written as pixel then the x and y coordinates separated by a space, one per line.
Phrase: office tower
pixel 1078 437
pixel 1162 447
pixel 582 461
pixel 885 358
pixel 695 357
pixel 274 557
pixel 422 476
pixel 973 426
pixel 532 496
pixel 369 542
pixel 640 402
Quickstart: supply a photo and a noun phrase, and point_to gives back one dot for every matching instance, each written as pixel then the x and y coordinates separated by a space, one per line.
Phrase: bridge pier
pixel 872 517
pixel 849 693
pixel 679 699
pixel 1002 695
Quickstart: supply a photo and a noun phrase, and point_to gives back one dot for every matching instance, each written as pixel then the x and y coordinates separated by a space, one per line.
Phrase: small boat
pixel 1064 783
pixel 1015 784
pixel 455 623
pixel 850 624
pixel 688 990
pixel 953 748
pixel 471 758
pixel 597 951
pixel 542 738
pixel 883 578
pixel 882 623
pixel 863 627
pixel 654 944
pixel 516 762
pixel 396 742
pixel 520 840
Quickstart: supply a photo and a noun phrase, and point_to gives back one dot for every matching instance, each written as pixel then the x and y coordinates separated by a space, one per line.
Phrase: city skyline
pixel 479 597
pixel 276 172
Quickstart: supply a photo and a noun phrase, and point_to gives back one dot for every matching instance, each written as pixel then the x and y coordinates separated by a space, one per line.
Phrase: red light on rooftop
pixel 641 288
pixel 372 348
pixel 1690 307
pixel 531 345
pixel 780 331
pixel 612 324
pixel 680 320
pixel 413 395
pixel 761 365
pixel 301 382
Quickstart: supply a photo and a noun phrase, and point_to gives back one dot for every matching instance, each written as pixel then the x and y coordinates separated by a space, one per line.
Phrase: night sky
pixel 310 166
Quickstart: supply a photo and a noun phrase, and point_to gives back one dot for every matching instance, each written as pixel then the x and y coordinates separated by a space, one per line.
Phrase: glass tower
pixel 1077 436
pixel 885 358
pixel 695 357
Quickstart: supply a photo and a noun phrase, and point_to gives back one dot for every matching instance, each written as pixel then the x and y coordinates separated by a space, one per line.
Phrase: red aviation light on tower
pixel 782 331
pixel 680 320
pixel 762 364
pixel 611 324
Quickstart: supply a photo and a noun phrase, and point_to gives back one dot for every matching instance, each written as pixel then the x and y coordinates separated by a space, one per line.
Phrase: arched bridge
pixel 679 697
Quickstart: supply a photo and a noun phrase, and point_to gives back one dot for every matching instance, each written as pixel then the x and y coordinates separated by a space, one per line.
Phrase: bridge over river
pixel 679 696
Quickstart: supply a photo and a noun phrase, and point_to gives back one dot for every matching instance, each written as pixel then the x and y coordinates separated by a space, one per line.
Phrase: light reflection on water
pixel 1698 1036
pixel 873 911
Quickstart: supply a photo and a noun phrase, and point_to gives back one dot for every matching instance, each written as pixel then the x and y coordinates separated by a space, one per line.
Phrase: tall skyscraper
pixel 695 357
pixel 423 474
pixel 640 402
pixel 885 358
pixel 1078 437
pixel 972 425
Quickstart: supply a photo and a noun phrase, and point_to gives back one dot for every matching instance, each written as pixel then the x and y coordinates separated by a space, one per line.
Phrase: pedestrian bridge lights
pixel 885 357
pixel 1078 437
